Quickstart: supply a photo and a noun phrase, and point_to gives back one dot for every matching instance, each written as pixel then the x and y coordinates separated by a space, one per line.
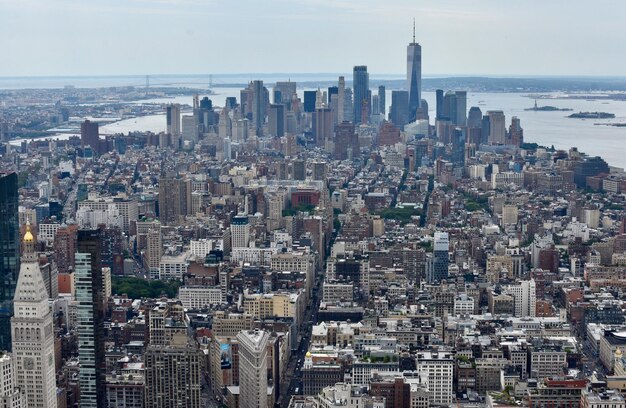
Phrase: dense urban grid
pixel 313 251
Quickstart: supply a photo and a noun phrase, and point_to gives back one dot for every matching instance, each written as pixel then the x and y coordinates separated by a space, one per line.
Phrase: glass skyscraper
pixel 90 319
pixel 9 253
pixel 414 76
pixel 361 90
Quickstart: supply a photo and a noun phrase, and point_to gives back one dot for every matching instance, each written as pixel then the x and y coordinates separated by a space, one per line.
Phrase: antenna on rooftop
pixel 413 30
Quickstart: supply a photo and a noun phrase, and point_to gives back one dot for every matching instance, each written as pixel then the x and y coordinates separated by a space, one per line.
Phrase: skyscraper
pixel 440 257
pixel 382 102
pixel 253 368
pixel 361 86
pixel 439 103
pixel 90 319
pixel 9 253
pixel 240 232
pixel 309 101
pixel 260 100
pixel 414 75
pixel 461 108
pixel 172 199
pixel 322 126
pixel 172 118
pixel 474 117
pixel 276 122
pixel 497 127
pixel 33 334
pixel 341 99
pixel 398 112
pixel 89 135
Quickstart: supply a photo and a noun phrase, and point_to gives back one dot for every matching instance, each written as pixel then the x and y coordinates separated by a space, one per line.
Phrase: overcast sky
pixel 488 37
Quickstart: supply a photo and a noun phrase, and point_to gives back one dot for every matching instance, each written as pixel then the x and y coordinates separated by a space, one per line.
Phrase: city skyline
pixel 243 37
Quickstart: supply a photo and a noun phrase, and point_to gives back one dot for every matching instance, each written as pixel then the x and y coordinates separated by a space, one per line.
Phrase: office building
pixel 240 232
pixel 341 99
pixel 516 133
pixel 172 119
pixel 260 101
pixel 33 336
pixel 253 368
pixel 89 135
pixel 361 87
pixel 11 394
pixel 9 253
pixel 461 108
pixel 440 257
pixel 173 363
pixel 399 110
pixel 322 126
pixel 382 101
pixel 309 100
pixel 524 295
pixel 497 127
pixel 414 76
pixel 439 104
pixel 90 319
pixel 276 120
pixel 287 92
pixel 172 199
pixel 346 141
pixel 474 117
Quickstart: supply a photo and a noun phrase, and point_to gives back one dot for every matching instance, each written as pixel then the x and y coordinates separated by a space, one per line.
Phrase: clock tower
pixel 32 329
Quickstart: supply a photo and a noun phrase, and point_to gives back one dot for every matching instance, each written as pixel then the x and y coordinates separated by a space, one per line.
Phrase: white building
pixel 173 267
pixel 525 297
pixel 198 297
pixel 253 368
pixel 33 335
pixel 437 369
pixel 11 396
pixel 128 209
pixel 47 232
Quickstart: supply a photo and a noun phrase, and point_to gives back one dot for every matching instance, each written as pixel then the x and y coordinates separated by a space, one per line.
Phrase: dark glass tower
pixel 361 87
pixel 414 76
pixel 90 318
pixel 9 253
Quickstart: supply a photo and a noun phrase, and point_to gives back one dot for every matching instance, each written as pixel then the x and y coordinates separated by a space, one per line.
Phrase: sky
pixel 458 37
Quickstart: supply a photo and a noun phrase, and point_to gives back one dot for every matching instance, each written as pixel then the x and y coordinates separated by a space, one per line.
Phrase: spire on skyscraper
pixel 413 30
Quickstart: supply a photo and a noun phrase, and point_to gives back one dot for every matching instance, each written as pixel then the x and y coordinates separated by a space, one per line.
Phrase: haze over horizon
pixel 138 37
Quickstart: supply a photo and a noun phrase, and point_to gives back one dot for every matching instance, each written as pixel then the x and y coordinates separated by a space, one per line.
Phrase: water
pixel 544 128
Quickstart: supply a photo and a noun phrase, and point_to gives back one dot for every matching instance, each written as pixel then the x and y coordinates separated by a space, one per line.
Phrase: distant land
pixel 313 80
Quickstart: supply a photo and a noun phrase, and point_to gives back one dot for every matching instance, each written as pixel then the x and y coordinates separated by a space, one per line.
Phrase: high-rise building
pixel 260 100
pixel 516 133
pixel 474 117
pixel 439 103
pixel 287 92
pixel 497 127
pixel 461 108
pixel 348 106
pixel 440 257
pixel 239 231
pixel 154 250
pixel 362 96
pixel 276 122
pixel 172 199
pixel 414 76
pixel 309 100
pixel 89 135
pixel 9 253
pixel 11 394
pixel 399 110
pixel 172 119
pixel 173 362
pixel 322 126
pixel 382 102
pixel 90 319
pixel 33 334
pixel 341 99
pixel 65 247
pixel 524 295
pixel 346 141
pixel 253 368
